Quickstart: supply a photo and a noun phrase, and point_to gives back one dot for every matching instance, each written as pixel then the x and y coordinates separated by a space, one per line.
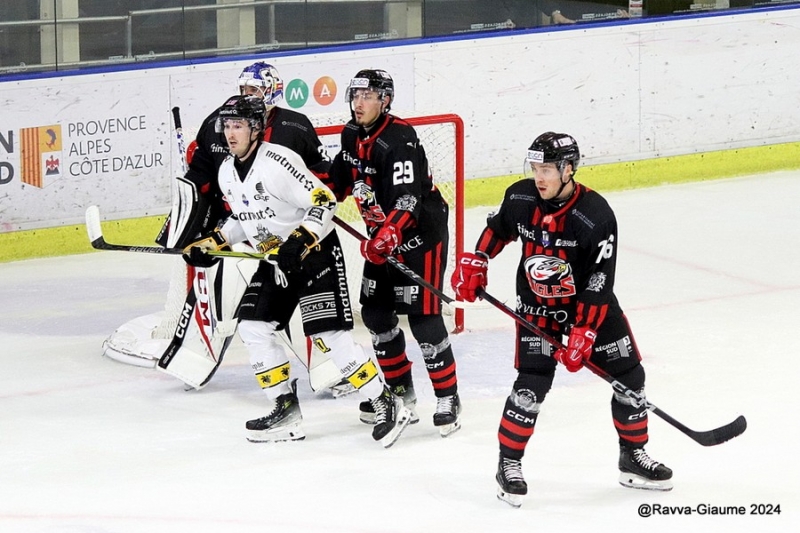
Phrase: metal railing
pixel 270 41
pixel 128 19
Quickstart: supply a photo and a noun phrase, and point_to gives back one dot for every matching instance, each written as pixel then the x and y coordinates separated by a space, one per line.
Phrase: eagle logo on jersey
pixel 371 212
pixel 549 277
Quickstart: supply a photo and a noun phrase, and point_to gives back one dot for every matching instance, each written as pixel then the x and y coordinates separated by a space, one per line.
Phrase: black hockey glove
pixel 195 254
pixel 292 252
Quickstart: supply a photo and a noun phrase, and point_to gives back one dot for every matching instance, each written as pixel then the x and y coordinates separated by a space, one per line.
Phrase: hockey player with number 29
pixel 286 213
pixel 565 286
pixel 383 165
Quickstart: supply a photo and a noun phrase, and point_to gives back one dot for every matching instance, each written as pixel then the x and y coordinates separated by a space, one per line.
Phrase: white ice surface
pixel 708 274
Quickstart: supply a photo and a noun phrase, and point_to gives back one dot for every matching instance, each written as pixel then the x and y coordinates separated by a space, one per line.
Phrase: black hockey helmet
pixel 378 80
pixel 250 108
pixel 551 147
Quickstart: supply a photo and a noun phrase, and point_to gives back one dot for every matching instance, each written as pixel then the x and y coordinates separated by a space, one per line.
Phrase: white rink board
pixel 627 92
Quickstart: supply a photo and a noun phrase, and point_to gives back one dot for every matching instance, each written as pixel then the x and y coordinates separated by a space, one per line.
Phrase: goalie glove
pixel 294 249
pixel 195 254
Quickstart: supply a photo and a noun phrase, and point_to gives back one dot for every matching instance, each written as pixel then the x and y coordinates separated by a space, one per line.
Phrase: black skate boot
pixel 448 408
pixel 511 486
pixel 391 417
pixel 639 471
pixel 406 392
pixel 282 424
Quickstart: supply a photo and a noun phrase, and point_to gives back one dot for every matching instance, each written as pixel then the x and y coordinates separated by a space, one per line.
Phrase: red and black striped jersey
pixel 566 270
pixel 386 172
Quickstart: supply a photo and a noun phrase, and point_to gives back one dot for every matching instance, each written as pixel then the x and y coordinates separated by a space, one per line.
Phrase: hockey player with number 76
pixel 565 286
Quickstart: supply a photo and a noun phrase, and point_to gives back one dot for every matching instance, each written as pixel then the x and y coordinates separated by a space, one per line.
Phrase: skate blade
pixel 403 420
pixel 276 435
pixel 448 429
pixel 632 481
pixel 514 500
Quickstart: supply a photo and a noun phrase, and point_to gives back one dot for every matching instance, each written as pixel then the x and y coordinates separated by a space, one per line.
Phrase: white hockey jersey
pixel 278 194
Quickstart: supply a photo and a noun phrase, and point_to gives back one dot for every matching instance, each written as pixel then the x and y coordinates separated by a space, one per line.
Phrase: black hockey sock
pixel 630 420
pixel 441 367
pixel 516 426
pixel 390 350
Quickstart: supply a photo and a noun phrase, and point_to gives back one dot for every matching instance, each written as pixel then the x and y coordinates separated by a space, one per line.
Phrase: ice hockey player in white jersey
pixel 192 350
pixel 286 213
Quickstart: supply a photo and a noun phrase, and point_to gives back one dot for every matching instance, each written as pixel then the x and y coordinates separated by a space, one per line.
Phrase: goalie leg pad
pixel 132 342
pixel 202 333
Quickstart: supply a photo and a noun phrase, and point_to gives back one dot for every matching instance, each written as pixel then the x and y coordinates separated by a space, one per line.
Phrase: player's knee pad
pixel 256 331
pixel 530 390
pixel 378 320
pixel 634 380
pixel 522 409
pixel 428 329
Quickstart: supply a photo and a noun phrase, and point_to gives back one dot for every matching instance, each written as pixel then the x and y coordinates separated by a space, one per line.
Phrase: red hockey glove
pixel 195 254
pixel 579 347
pixel 470 274
pixel 381 246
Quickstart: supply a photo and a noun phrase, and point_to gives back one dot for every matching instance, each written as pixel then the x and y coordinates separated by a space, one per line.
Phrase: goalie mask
pixel 266 78
pixel 378 81
pixel 551 147
pixel 244 107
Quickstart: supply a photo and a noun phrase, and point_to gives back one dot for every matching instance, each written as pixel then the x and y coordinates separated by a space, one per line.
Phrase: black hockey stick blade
pixel 721 434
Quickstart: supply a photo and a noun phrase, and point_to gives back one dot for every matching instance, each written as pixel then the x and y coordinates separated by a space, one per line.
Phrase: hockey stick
pixel 706 438
pixel 419 280
pixel 95 232
pixel 176 117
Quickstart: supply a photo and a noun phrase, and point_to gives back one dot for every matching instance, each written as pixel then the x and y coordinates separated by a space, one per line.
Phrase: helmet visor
pixel 533 156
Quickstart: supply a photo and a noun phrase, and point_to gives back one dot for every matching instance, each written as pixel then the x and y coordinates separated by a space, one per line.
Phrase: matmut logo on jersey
pixel 550 277
pixel 40 155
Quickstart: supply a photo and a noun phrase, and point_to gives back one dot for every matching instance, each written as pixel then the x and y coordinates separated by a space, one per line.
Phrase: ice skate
pixel 406 392
pixel 391 418
pixel 511 486
pixel 282 424
pixel 448 409
pixel 639 471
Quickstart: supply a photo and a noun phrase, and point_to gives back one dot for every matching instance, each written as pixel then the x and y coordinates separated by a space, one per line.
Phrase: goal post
pixel 442 136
